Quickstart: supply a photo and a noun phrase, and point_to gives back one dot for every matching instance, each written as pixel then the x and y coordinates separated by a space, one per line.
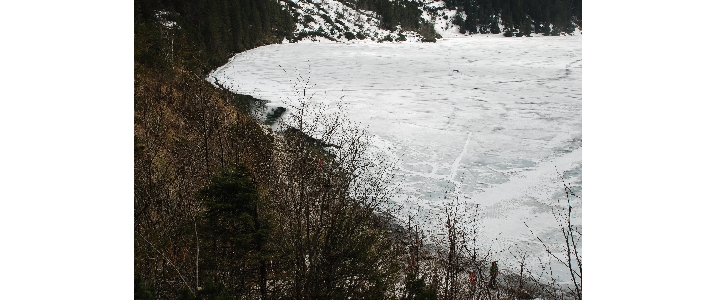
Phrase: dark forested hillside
pixel 393 13
pixel 204 33
pixel 522 16
pixel 405 13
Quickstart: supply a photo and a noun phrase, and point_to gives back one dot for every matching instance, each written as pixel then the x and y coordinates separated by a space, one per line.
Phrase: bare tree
pixel 569 256
pixel 329 188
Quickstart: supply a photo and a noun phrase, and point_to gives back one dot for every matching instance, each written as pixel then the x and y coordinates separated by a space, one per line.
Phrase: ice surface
pixel 490 121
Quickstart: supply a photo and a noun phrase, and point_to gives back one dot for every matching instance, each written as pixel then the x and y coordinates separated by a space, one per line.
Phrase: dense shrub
pixel 327 19
pixel 308 19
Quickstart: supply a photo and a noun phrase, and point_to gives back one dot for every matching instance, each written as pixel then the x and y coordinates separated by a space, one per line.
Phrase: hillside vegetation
pixel 521 17
pixel 419 20
pixel 224 208
pixel 200 35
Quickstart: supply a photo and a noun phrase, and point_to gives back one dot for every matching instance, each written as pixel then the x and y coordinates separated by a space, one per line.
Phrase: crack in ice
pixel 456 163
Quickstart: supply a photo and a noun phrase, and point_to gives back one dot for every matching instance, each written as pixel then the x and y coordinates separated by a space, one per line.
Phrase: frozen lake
pixel 491 121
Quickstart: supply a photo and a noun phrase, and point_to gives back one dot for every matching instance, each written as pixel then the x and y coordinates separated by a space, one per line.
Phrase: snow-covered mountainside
pixel 337 21
pixel 332 20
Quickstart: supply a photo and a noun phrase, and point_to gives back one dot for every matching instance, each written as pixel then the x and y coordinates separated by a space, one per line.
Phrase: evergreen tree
pixel 236 230
pixel 480 15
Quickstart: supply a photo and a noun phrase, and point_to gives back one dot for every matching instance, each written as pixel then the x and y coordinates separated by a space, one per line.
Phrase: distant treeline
pixel 405 13
pixel 522 16
pixel 207 32
pixel 400 12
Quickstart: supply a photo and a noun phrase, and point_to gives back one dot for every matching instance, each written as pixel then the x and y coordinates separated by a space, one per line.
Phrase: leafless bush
pixel 328 188
pixel 568 255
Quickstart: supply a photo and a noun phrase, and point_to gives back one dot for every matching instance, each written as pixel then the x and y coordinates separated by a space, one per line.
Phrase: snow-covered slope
pixel 329 20
pixel 336 21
